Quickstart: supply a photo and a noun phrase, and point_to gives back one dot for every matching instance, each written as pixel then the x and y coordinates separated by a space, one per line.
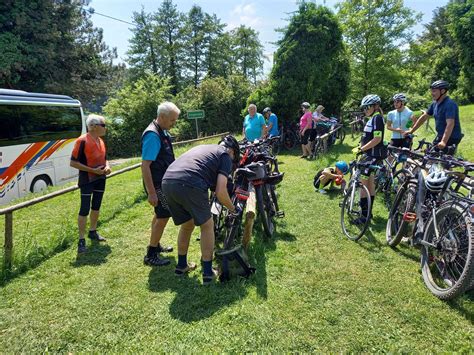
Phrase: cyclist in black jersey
pixel 373 148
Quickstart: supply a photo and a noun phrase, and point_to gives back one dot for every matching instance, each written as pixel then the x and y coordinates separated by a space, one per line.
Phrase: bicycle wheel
pixel 275 148
pixel 274 197
pixel 317 148
pixel 447 260
pixel 266 209
pixel 351 212
pixel 398 225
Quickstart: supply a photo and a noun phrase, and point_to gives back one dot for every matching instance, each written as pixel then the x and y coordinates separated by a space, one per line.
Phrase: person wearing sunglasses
pixel 89 157
pixel 372 147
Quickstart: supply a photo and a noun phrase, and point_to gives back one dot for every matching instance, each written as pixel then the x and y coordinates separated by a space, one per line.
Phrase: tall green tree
pixel 375 31
pixel 53 46
pixel 196 43
pixel 248 51
pixel 170 30
pixel 310 64
pixel 144 53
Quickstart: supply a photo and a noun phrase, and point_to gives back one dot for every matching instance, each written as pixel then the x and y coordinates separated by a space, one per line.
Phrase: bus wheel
pixel 40 183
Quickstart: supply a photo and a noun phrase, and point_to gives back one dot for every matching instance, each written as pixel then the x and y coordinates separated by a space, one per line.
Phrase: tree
pixel 461 28
pixel 143 53
pixel 310 64
pixel 248 51
pixel 52 46
pixel 196 42
pixel 169 30
pixel 375 31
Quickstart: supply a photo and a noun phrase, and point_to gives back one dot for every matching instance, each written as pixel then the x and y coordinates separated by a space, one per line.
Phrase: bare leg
pixel 207 240
pixel 94 217
pixel 184 236
pixel 157 228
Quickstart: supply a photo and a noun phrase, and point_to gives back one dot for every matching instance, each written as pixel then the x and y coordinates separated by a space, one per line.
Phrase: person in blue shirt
pixel 254 124
pixel 272 122
pixel 157 155
pixel 446 114
pixel 399 121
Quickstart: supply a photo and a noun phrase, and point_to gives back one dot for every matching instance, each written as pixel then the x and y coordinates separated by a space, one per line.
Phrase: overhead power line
pixel 93 12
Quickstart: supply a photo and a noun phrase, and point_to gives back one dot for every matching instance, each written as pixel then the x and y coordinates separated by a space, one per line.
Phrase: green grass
pixel 313 290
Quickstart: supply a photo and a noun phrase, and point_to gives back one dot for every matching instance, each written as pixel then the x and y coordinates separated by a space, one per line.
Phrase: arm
pixel 75 164
pixel 372 143
pixel 390 128
pixel 447 133
pixel 147 179
pixel 419 122
pixel 222 194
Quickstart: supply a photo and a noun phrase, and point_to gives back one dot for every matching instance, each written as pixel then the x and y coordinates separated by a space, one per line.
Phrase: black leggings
pixel 92 191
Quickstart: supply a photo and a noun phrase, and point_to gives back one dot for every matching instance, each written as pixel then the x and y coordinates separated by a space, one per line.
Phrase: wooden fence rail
pixel 8 211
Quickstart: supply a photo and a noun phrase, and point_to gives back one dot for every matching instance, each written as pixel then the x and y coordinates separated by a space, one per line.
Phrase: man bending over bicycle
pixel 373 150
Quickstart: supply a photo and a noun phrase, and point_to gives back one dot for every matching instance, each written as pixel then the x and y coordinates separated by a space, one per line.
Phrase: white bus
pixel 37 134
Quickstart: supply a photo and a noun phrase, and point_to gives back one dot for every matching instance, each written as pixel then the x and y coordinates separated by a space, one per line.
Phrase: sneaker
pixel 162 249
pixel 322 191
pixel 81 246
pixel 93 235
pixel 155 260
pixel 209 279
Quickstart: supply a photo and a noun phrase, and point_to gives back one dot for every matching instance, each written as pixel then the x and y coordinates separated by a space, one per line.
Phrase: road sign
pixel 196 115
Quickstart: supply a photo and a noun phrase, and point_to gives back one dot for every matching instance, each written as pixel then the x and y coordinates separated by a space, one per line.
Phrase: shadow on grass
pixel 96 255
pixel 36 258
pixel 407 251
pixel 193 301
pixel 463 305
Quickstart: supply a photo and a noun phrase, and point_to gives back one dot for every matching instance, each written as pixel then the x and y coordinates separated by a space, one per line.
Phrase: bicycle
pixel 353 222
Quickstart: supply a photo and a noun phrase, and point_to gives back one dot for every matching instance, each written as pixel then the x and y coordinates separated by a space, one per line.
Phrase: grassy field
pixel 313 290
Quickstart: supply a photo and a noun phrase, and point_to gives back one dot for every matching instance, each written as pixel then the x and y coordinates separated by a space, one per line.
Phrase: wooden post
pixel 8 247
pixel 250 213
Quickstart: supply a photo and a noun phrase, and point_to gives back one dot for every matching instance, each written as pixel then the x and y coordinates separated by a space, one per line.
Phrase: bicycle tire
pixel 341 135
pixel 266 210
pixel 462 242
pixel 351 231
pixel 274 197
pixel 397 227
pixel 275 148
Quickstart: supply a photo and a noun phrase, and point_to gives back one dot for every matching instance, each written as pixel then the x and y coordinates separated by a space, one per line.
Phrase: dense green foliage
pixel 134 107
pixel 52 46
pixel 310 64
pixel 376 32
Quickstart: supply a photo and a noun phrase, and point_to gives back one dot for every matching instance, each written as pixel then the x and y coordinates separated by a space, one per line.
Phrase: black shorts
pixel 186 202
pixel 97 185
pixel 312 134
pixel 161 209
pixel 401 142
pixel 305 137
pixel 366 172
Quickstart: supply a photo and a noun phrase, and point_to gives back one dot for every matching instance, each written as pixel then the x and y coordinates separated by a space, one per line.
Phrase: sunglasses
pixel 366 107
pixel 101 124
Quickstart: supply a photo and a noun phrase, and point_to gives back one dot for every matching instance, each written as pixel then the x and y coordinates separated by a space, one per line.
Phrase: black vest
pixel 164 158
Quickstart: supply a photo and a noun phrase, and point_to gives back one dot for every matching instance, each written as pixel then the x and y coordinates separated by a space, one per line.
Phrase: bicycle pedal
pixel 280 214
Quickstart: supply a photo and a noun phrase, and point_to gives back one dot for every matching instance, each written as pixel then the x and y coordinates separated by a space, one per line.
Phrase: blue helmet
pixel 342 165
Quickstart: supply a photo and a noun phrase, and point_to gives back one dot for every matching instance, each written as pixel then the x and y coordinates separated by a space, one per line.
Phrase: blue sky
pixel 264 16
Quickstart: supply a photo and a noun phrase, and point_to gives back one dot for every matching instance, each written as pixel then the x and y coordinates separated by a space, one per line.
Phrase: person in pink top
pixel 305 129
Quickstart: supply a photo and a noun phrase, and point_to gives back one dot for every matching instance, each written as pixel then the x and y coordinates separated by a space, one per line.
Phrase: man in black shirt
pixel 186 184
pixel 372 146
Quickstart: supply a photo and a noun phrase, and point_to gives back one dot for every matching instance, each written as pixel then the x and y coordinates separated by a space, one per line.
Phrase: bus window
pixel 29 124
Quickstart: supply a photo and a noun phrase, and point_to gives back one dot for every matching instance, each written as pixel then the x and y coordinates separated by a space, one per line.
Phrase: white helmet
pixel 435 181
pixel 370 100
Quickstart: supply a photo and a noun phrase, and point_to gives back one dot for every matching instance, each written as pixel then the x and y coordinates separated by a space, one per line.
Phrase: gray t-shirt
pixel 199 166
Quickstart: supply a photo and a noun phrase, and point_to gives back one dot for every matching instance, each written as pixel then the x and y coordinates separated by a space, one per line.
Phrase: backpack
pixel 316 179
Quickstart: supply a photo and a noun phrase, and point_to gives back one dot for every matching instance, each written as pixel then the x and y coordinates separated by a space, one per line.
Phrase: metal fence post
pixel 8 247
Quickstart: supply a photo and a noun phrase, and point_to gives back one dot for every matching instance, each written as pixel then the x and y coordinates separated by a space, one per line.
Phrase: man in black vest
pixel 157 155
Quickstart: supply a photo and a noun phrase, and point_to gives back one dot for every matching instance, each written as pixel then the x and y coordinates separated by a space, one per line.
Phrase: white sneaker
pixel 322 191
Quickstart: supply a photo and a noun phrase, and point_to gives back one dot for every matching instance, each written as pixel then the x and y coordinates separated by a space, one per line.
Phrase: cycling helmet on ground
pixel 305 104
pixel 342 165
pixel 440 84
pixel 266 109
pixel 400 97
pixel 230 142
pixel 370 100
pixel 435 181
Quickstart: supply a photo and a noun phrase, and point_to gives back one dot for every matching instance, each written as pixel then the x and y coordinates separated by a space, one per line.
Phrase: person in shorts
pixel 186 185
pixel 157 155
pixel 89 157
pixel 305 129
